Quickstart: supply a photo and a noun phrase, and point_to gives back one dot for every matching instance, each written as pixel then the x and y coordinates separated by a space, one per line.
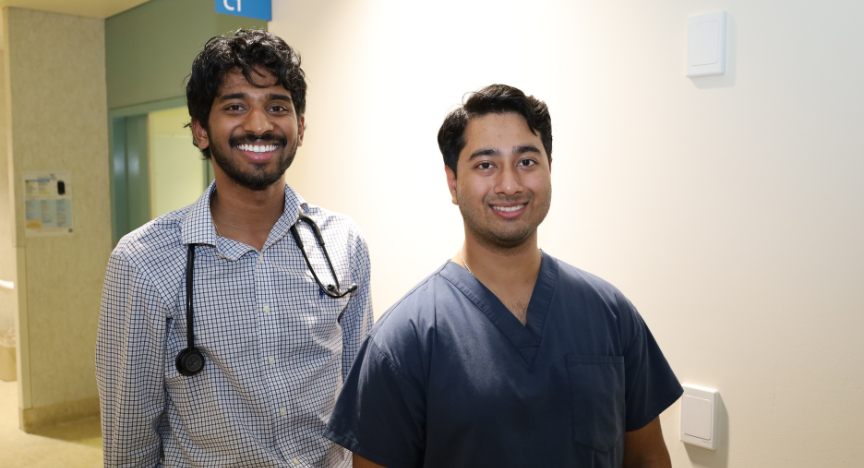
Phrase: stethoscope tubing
pixel 329 290
pixel 190 269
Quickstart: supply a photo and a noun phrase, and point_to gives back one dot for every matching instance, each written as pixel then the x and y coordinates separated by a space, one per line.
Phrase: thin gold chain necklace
pixel 460 255
pixel 464 262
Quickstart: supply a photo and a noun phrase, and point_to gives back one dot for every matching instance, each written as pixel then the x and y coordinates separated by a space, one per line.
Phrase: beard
pixel 501 234
pixel 259 178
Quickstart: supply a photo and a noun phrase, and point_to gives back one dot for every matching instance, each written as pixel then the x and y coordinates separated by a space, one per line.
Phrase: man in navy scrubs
pixel 505 356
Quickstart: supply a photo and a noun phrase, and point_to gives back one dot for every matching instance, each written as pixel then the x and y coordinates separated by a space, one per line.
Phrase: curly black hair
pixel 493 99
pixel 246 50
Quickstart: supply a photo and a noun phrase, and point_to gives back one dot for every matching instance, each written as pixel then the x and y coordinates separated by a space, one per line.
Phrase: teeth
pixel 257 148
pixel 508 208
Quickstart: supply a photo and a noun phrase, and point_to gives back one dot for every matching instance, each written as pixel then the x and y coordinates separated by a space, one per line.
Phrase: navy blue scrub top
pixel 449 377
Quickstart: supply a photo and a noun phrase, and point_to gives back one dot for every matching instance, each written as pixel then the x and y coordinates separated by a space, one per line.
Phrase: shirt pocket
pixel 597 399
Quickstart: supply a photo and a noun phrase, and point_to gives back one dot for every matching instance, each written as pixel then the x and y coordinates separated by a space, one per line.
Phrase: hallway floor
pixel 70 445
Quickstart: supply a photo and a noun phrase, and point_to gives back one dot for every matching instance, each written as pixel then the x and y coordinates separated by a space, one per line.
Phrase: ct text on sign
pixel 258 9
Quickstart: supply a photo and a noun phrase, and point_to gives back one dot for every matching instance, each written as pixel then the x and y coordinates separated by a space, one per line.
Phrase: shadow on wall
pixel 727 79
pixel 713 458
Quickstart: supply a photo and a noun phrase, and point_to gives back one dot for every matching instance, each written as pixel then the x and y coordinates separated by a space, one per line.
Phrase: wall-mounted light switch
pixel 706 44
pixel 699 416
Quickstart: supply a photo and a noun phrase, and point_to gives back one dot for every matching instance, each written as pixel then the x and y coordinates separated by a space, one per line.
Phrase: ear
pixel 301 129
pixel 550 164
pixel 451 183
pixel 202 139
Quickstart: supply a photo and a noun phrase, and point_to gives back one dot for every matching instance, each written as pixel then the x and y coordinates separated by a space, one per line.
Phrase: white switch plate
pixel 706 44
pixel 699 416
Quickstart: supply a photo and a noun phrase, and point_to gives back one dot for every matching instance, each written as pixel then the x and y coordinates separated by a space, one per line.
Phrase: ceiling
pixel 92 8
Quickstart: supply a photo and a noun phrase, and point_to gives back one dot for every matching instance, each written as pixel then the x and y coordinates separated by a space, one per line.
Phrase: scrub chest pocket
pixel 597 398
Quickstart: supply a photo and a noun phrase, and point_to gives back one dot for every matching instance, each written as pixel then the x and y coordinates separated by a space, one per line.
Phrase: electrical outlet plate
pixel 699 416
pixel 706 44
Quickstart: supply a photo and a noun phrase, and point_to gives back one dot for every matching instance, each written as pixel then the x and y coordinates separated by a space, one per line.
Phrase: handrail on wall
pixel 7 285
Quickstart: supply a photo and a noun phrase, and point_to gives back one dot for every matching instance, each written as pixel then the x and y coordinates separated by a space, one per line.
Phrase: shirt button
pixel 296 461
pixel 266 308
pixel 260 257
pixel 283 411
pixel 272 360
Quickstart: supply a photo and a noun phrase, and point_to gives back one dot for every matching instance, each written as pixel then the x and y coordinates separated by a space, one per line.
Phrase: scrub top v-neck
pixel 525 338
pixel 449 377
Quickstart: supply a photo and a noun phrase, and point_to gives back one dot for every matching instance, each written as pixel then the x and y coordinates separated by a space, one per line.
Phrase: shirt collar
pixel 198 227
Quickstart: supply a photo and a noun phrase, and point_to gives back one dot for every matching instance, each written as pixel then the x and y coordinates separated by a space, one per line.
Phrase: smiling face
pixel 253 133
pixel 504 187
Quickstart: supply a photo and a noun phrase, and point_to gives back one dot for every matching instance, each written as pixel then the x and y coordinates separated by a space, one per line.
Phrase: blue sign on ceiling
pixel 258 9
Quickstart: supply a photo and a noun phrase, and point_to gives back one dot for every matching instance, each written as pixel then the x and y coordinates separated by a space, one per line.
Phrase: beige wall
pixel 8 271
pixel 58 122
pixel 728 208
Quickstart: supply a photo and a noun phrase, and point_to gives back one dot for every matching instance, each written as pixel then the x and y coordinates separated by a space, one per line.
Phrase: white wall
pixel 730 209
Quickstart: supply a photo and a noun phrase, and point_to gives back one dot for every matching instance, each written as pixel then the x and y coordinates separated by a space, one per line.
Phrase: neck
pixel 503 267
pixel 246 215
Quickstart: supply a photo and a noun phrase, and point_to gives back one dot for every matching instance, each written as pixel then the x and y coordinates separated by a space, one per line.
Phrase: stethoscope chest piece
pixel 189 362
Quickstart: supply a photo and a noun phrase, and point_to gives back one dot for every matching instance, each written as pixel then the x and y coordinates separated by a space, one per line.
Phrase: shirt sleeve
pixel 130 350
pixel 650 384
pixel 357 319
pixel 391 431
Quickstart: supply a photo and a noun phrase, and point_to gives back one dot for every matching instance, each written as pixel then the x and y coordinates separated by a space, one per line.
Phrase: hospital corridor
pixel 708 162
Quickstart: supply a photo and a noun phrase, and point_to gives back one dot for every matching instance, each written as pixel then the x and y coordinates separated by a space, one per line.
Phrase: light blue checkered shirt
pixel 276 348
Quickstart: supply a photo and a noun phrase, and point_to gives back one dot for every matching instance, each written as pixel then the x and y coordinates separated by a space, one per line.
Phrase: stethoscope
pixel 190 361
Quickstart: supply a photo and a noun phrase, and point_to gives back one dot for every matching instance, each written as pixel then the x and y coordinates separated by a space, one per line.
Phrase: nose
pixel 509 182
pixel 257 121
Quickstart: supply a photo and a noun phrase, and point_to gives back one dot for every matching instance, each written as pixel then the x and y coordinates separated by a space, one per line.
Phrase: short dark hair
pixel 493 99
pixel 248 50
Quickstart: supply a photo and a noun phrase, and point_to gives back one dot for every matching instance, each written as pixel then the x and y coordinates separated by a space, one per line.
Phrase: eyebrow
pixel 521 149
pixel 270 97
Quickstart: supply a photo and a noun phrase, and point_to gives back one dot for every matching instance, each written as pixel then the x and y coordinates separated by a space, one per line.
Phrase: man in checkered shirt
pixel 275 346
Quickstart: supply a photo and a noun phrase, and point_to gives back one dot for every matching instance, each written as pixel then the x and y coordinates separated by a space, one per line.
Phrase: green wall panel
pixel 149 49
